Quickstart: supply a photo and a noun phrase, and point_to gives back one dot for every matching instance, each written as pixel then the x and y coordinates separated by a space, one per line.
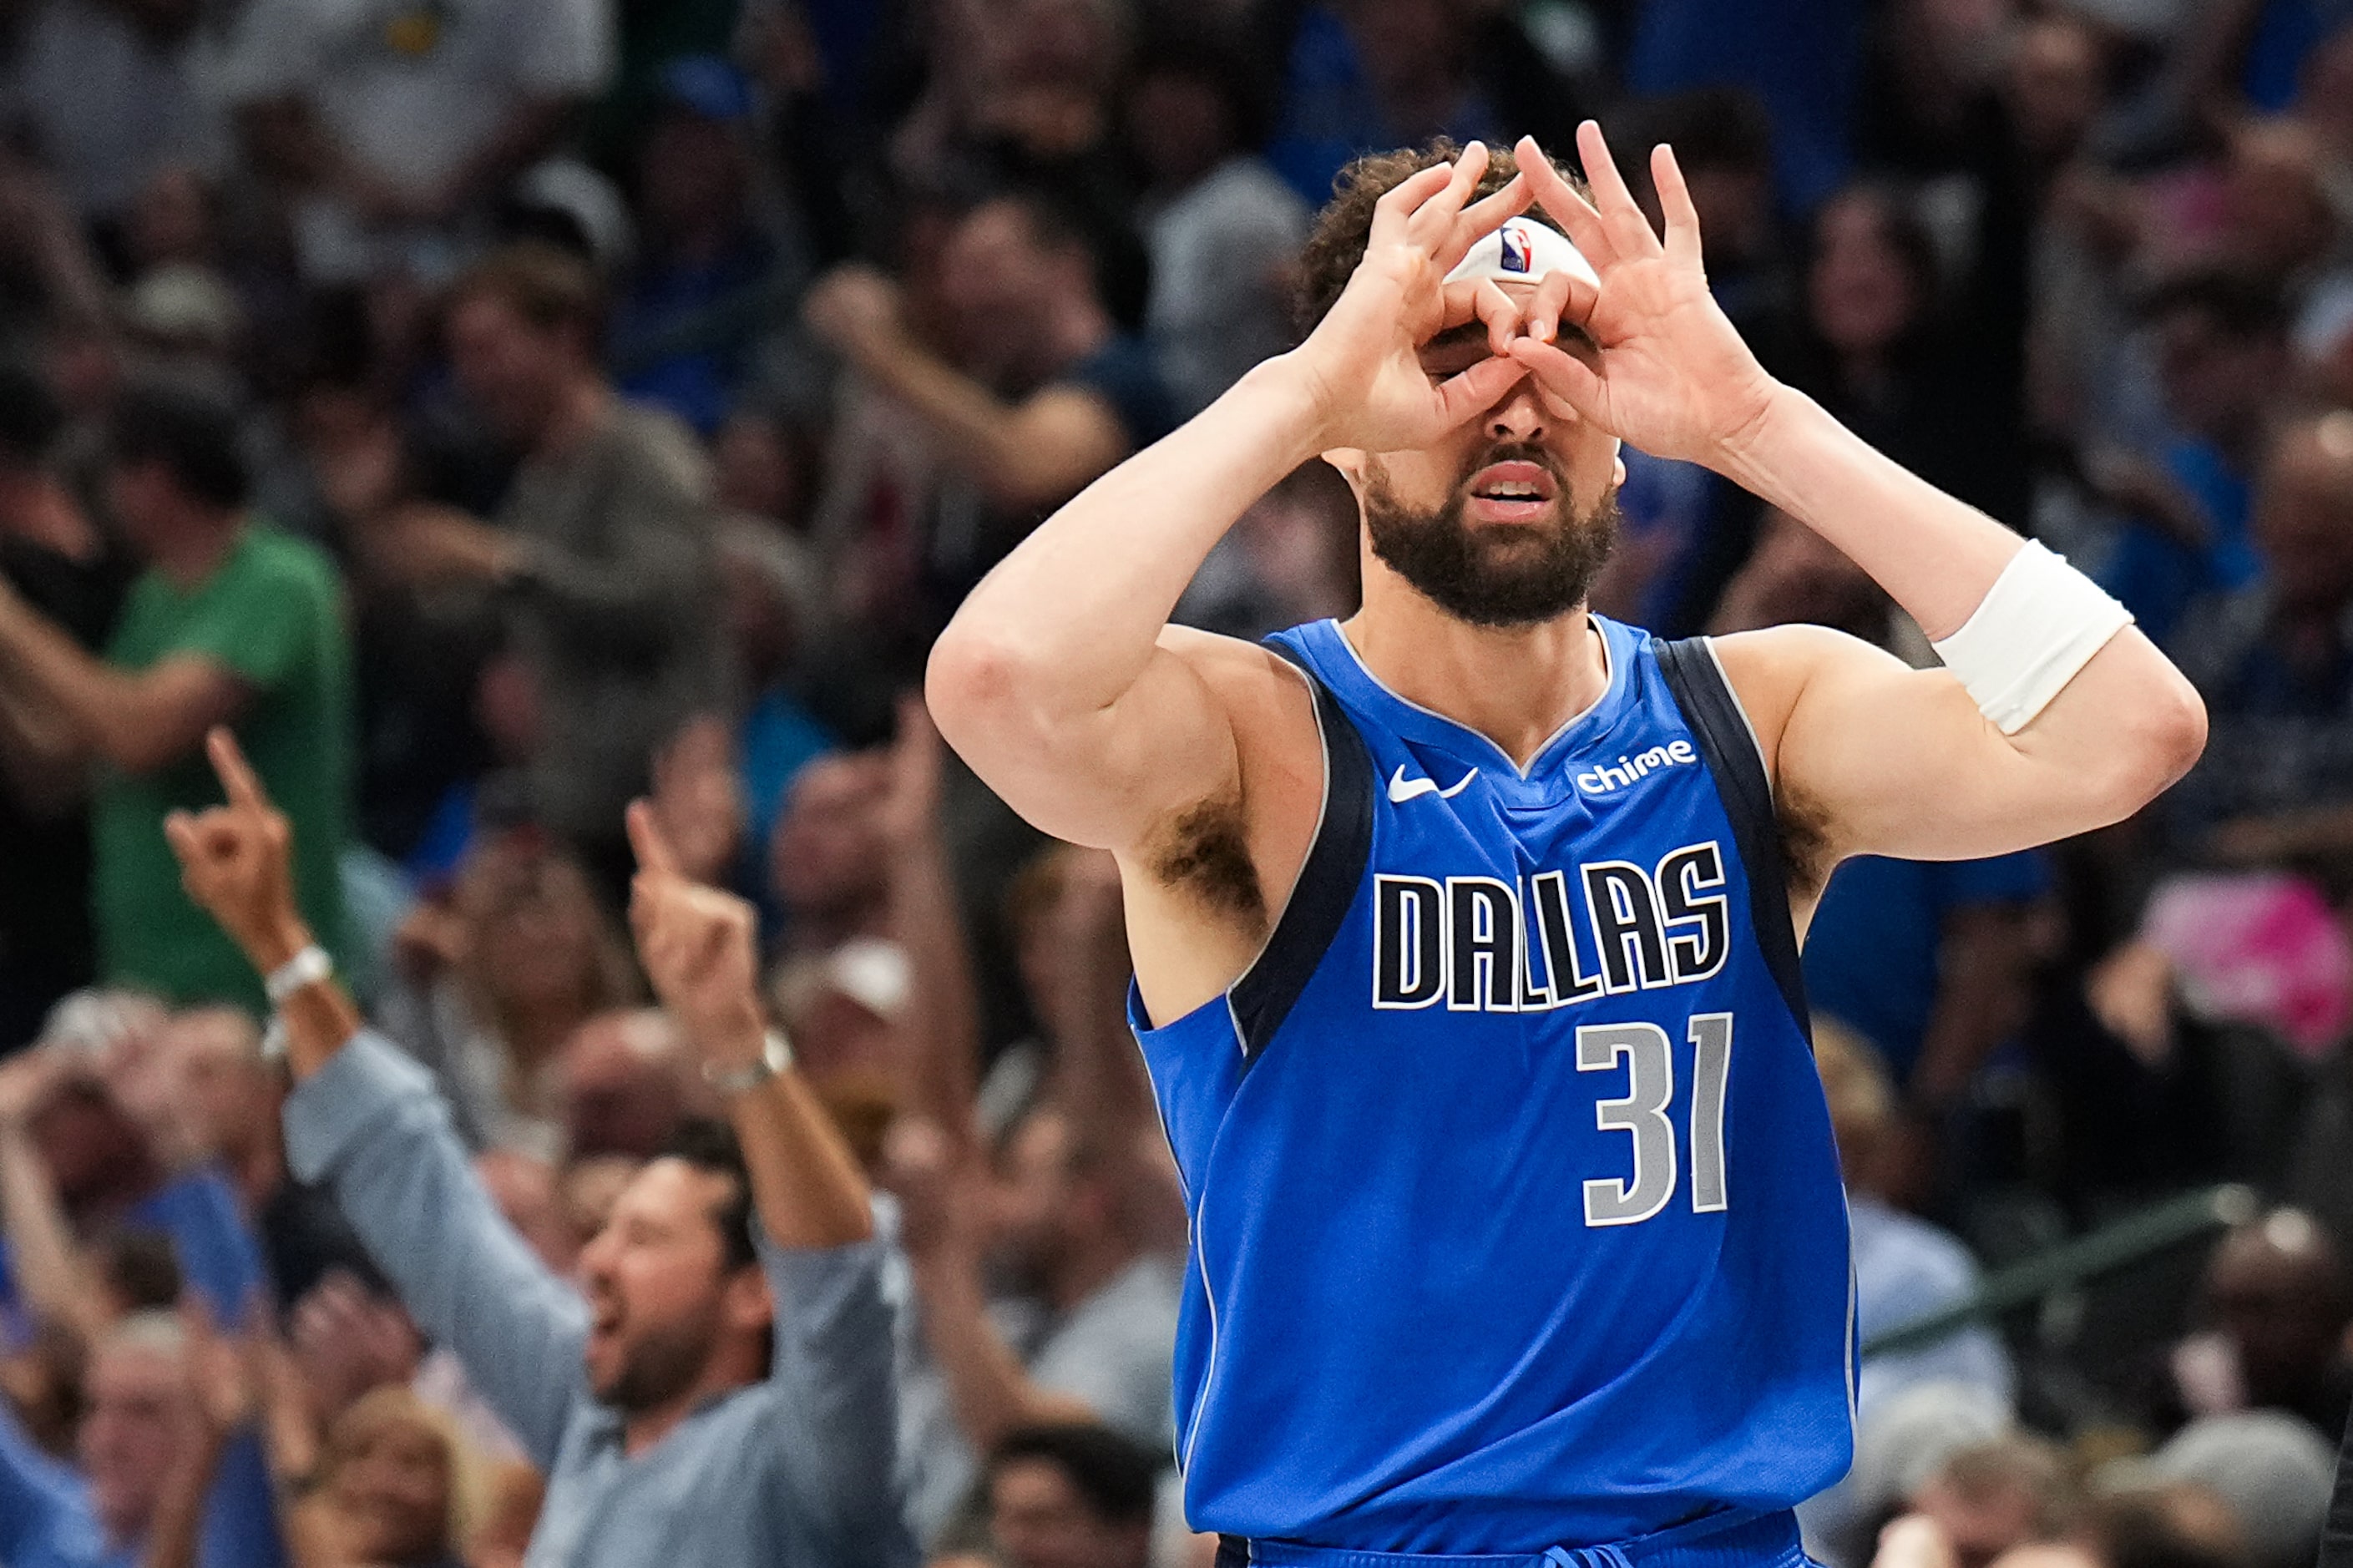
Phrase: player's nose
pixel 1520 416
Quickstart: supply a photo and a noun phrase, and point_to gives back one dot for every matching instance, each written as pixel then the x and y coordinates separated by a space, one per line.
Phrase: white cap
pixel 1524 251
pixel 875 973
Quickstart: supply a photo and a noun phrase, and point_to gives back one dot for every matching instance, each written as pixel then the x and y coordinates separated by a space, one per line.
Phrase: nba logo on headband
pixel 1519 251
pixel 1522 251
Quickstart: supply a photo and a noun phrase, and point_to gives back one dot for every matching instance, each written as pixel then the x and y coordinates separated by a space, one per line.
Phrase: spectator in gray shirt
pixel 602 554
pixel 645 1404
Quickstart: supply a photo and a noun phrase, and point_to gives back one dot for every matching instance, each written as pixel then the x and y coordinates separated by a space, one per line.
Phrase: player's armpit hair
pixel 1806 857
pixel 1206 851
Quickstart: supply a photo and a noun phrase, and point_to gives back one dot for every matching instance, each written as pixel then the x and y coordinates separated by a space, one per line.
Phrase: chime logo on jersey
pixel 1605 779
pixel 1519 251
pixel 1486 945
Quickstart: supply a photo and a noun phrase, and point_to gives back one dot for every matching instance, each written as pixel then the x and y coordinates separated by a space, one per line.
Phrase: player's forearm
pixel 2125 723
pixel 1067 622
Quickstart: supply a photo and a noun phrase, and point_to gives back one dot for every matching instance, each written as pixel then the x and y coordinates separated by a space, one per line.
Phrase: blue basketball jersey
pixel 1516 1221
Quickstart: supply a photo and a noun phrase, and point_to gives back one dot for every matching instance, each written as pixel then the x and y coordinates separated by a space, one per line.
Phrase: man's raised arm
pixel 1060 681
pixel 365 1118
pixel 2063 718
pixel 834 1424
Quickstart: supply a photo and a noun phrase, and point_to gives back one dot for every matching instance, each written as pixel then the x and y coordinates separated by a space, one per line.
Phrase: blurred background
pixel 501 408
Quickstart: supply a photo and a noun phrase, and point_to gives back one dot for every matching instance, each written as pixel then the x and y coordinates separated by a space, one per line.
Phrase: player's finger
pixel 180 833
pixel 1558 197
pixel 1563 374
pixel 1433 220
pixel 1457 302
pixel 1675 205
pixel 648 841
pixel 1499 310
pixel 1463 398
pixel 1544 311
pixel 236 777
pixel 1389 214
pixel 1483 218
pixel 1620 213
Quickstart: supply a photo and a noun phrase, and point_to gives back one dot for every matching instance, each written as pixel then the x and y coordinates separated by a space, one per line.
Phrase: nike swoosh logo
pixel 1403 789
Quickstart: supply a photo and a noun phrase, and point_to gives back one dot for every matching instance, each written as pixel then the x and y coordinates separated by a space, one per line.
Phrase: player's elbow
pixel 2182 738
pixel 2164 738
pixel 979 677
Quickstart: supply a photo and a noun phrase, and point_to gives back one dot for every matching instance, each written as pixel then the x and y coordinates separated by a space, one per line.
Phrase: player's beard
pixel 1499 574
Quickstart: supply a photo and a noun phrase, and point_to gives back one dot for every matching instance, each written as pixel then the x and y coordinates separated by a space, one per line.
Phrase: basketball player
pixel 1466 930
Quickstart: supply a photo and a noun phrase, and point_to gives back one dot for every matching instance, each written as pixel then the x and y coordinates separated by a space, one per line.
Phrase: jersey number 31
pixel 1642 1113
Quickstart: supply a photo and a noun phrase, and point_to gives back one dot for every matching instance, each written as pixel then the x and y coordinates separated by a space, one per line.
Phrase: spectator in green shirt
pixel 230 623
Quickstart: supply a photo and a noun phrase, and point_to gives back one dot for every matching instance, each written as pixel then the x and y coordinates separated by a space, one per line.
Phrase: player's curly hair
pixel 1338 241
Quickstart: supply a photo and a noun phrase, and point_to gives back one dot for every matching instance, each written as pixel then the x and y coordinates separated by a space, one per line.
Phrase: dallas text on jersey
pixel 1484 944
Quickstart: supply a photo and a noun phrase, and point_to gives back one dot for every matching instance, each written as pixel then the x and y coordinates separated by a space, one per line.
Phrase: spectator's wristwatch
pixel 298 974
pixel 775 1056
pixel 282 985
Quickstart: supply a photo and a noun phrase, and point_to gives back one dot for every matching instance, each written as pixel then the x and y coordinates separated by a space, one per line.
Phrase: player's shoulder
pixel 1216 653
pixel 1770 668
pixel 1245 676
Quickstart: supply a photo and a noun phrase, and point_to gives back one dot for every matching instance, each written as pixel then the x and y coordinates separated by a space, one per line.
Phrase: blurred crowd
pixel 497 410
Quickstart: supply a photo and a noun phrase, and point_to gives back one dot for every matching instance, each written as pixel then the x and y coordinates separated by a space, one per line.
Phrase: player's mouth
pixel 1510 492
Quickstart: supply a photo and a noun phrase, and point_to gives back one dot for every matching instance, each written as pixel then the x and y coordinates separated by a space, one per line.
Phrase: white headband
pixel 1524 252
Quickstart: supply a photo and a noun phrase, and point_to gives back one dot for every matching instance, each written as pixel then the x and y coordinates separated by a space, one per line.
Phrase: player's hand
pixel 236 861
pixel 696 943
pixel 1672 376
pixel 1361 365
